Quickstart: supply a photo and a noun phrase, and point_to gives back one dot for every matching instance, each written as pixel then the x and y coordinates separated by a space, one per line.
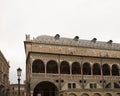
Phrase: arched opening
pixel 76 68
pixel 116 85
pixel 72 94
pixel 107 94
pixel 106 69
pixel 86 69
pixel 64 67
pixel 84 94
pixel 118 94
pixel 38 66
pixel 96 69
pixel 52 67
pixel 96 94
pixel 115 70
pixel 45 88
pixel 108 85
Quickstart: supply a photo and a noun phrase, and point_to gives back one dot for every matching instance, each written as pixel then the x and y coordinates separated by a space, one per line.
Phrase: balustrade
pixel 68 76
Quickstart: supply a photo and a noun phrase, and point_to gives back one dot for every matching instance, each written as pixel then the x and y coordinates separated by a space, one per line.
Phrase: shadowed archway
pixel 52 67
pixel 86 69
pixel 72 94
pixel 96 69
pixel 38 66
pixel 64 67
pixel 76 68
pixel 106 69
pixel 45 88
pixel 115 70
pixel 118 94
pixel 84 94
pixel 96 94
pixel 107 94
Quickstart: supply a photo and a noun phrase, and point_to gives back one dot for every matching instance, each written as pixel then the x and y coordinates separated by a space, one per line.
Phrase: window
pixel 74 85
pixel 93 85
pixel 71 85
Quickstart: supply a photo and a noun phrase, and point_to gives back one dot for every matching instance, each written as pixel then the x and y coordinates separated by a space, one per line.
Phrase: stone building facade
pixel 14 90
pixel 4 76
pixel 57 66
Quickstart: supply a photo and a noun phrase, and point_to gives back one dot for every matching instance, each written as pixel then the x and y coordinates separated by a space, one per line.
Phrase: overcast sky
pixel 85 18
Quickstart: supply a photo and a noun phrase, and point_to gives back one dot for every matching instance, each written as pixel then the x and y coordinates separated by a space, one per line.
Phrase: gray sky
pixel 85 18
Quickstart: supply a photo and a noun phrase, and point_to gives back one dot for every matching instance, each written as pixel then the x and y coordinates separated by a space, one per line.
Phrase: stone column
pixel 70 64
pixel 31 93
pixel 45 63
pixel 2 91
pixel 5 93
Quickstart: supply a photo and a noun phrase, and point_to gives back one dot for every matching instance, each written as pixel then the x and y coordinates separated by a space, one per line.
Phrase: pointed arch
pixel 96 69
pixel 115 70
pixel 64 67
pixel 106 69
pixel 38 66
pixel 52 67
pixel 86 69
pixel 76 68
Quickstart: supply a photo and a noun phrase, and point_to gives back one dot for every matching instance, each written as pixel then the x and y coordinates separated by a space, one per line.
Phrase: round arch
pixel 45 88
pixel 107 94
pixel 84 94
pixel 96 69
pixel 106 69
pixel 115 70
pixel 64 67
pixel 96 94
pixel 38 66
pixel 86 69
pixel 76 68
pixel 117 94
pixel 72 94
pixel 52 67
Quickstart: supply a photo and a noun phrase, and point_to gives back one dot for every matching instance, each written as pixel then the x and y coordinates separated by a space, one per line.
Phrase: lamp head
pixel 19 70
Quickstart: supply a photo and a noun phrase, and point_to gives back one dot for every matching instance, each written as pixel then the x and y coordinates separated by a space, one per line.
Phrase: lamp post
pixel 19 70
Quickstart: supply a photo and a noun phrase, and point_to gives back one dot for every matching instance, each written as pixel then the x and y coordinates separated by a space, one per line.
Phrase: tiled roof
pixel 76 42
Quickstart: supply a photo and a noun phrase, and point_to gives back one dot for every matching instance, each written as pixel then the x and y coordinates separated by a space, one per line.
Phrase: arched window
pixel 52 67
pixel 64 67
pixel 115 70
pixel 96 69
pixel 86 69
pixel 38 66
pixel 76 68
pixel 106 69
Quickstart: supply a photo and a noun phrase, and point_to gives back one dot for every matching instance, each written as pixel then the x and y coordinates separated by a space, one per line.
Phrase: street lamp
pixel 19 70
